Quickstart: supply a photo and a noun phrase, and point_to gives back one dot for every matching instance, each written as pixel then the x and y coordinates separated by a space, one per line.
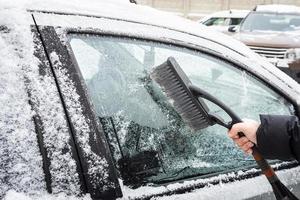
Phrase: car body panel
pixel 243 189
pixel 56 157
pixel 21 162
pixel 270 39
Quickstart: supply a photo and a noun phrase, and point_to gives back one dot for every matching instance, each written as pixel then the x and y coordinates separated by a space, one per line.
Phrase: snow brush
pixel 187 101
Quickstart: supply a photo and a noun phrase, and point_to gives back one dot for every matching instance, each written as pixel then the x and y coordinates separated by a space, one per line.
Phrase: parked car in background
pixel 221 20
pixel 80 115
pixel 273 31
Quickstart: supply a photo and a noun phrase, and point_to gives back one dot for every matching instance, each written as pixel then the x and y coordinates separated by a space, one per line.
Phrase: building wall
pixel 195 9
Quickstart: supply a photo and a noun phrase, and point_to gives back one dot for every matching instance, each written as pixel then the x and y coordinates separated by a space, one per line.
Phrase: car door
pixel 154 153
pixel 149 141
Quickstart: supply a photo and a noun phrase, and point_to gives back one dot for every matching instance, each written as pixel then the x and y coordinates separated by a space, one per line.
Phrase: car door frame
pixel 237 65
pixel 69 58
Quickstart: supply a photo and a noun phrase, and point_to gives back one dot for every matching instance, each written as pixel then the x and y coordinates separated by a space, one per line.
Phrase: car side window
pixel 149 141
pixel 235 21
pixel 216 21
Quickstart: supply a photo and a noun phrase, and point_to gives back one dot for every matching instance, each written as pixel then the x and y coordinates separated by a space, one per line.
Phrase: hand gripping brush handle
pixel 187 101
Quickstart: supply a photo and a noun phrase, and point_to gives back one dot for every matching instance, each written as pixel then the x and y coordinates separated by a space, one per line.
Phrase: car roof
pixel 278 8
pixel 136 13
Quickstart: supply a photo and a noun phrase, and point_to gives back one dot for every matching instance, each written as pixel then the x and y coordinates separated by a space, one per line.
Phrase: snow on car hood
pixel 289 39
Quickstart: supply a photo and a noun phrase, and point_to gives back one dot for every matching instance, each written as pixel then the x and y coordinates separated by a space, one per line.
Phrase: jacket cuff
pixel 273 139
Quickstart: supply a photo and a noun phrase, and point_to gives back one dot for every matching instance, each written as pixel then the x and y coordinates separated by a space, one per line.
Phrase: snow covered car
pixel 80 115
pixel 222 20
pixel 273 32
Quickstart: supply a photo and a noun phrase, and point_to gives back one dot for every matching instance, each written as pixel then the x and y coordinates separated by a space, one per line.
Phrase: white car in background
pixel 222 20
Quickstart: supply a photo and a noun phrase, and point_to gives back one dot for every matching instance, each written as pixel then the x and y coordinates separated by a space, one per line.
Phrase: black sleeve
pixel 278 137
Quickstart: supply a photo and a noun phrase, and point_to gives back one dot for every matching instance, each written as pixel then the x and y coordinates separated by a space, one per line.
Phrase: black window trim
pixel 248 172
pixel 51 41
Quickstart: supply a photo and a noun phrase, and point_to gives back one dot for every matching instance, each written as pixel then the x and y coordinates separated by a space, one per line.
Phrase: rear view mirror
pixel 232 29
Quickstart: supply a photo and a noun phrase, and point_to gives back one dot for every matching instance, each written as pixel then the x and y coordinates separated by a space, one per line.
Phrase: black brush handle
pixel 281 191
pixel 266 169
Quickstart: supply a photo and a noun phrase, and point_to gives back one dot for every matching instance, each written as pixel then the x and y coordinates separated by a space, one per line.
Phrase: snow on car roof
pixel 136 13
pixel 279 8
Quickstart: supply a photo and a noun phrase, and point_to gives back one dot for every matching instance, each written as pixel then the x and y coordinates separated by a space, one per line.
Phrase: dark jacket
pixel 278 137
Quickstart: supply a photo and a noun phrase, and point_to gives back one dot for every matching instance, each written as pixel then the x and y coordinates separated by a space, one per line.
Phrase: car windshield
pixel 215 21
pixel 222 21
pixel 257 21
pixel 148 139
pixel 235 21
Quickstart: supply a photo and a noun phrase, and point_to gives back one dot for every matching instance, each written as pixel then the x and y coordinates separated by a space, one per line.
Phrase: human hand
pixel 249 128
